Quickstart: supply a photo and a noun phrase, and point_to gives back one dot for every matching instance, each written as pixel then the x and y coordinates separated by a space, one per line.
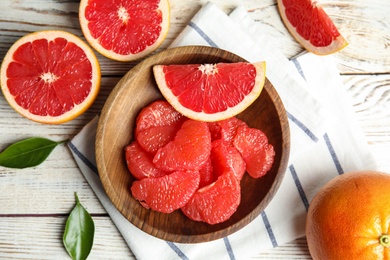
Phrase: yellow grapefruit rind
pixel 77 109
pixel 201 116
pixel 336 45
pixel 163 7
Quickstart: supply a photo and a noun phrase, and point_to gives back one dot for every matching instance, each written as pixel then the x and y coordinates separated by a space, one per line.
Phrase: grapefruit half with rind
pixel 210 92
pixel 311 26
pixel 50 76
pixel 124 30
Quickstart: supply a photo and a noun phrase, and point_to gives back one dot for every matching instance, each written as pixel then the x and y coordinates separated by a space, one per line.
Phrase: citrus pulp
pixel 50 76
pixel 210 92
pixel 310 25
pixel 124 30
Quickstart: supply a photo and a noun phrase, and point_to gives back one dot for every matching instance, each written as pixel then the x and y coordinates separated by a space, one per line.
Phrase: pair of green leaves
pixel 80 228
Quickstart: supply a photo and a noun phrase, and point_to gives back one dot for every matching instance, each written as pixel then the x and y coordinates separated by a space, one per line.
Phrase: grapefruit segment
pixel 207 175
pixel 50 76
pixel 310 25
pixel 216 202
pixel 254 148
pixel 168 193
pixel 140 163
pixel 229 128
pixel 189 150
pixel 210 92
pixel 157 125
pixel 124 30
pixel 226 158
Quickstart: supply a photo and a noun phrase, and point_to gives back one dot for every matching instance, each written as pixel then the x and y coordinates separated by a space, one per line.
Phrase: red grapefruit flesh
pixel 210 92
pixel 50 76
pixel 226 158
pixel 257 153
pixel 189 150
pixel 216 202
pixel 140 163
pixel 124 30
pixel 229 128
pixel 207 175
pixel 157 125
pixel 311 26
pixel 168 193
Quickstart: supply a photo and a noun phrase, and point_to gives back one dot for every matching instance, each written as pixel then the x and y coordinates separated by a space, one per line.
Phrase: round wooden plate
pixel 136 90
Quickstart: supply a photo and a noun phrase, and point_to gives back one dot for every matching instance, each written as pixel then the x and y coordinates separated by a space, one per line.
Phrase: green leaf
pixel 79 232
pixel 27 153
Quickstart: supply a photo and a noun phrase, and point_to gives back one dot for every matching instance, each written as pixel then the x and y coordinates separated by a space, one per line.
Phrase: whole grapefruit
pixel 349 218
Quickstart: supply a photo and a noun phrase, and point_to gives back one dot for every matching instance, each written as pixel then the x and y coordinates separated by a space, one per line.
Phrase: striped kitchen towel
pixel 325 141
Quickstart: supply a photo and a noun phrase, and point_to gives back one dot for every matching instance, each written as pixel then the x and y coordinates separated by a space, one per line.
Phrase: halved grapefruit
pixel 50 76
pixel 210 92
pixel 311 26
pixel 124 30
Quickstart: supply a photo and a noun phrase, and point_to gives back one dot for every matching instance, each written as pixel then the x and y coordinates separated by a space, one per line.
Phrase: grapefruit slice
pixel 210 92
pixel 311 26
pixel 168 193
pixel 124 30
pixel 50 76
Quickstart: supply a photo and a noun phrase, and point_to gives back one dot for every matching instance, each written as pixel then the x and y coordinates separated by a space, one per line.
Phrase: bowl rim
pixel 196 238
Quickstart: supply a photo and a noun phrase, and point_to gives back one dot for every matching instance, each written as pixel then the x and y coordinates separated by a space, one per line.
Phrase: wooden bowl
pixel 136 90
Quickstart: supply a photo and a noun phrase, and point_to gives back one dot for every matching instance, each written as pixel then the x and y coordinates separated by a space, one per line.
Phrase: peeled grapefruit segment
pixel 189 150
pixel 140 162
pixel 124 30
pixel 216 202
pixel 207 175
pixel 257 153
pixel 167 193
pixel 157 125
pixel 311 26
pixel 226 158
pixel 229 128
pixel 50 76
pixel 210 92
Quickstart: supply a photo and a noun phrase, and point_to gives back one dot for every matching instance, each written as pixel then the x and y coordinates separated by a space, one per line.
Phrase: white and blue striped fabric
pixel 325 141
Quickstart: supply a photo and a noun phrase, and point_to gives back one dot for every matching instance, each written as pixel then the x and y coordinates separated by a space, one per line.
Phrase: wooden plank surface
pixel 34 203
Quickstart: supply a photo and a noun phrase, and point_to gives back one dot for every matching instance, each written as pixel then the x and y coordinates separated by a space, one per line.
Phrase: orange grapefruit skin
pixel 50 76
pixel 349 218
pixel 124 31
pixel 311 26
pixel 205 85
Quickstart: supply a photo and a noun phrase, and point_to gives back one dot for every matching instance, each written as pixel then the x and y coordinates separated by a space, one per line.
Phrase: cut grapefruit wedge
pixel 311 26
pixel 124 30
pixel 50 76
pixel 210 92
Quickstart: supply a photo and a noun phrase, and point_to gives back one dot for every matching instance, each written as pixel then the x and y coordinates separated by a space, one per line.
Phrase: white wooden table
pixel 35 202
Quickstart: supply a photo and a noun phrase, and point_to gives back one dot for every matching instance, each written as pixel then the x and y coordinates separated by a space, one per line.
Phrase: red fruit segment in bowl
pixel 229 128
pixel 140 163
pixel 257 153
pixel 168 193
pixel 227 158
pixel 157 125
pixel 188 151
pixel 207 175
pixel 216 202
